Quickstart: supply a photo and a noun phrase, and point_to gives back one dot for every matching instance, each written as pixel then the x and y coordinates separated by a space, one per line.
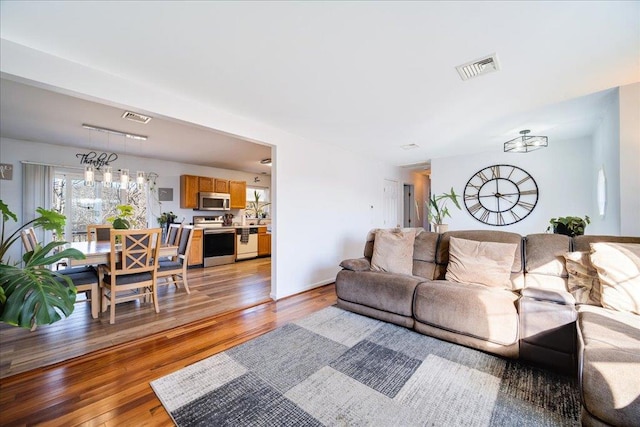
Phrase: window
pixel 83 205
pixel 262 208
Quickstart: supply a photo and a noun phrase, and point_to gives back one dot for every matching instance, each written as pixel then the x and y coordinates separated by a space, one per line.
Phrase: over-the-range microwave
pixel 214 202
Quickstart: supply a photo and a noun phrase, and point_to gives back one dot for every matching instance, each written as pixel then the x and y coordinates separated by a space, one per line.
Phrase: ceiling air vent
pixel 478 67
pixel 135 117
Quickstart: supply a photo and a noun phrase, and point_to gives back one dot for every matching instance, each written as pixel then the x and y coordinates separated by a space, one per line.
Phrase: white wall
pixel 562 171
pixel 322 193
pixel 630 160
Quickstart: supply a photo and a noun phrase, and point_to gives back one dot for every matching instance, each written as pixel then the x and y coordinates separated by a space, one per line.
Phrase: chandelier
pixel 525 143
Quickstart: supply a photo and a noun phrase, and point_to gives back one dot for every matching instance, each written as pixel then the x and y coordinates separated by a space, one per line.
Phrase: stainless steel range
pixel 219 243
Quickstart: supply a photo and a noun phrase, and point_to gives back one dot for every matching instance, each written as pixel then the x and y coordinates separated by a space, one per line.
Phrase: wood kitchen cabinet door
pixel 205 184
pixel 189 191
pixel 196 255
pixel 264 242
pixel 238 191
pixel 221 185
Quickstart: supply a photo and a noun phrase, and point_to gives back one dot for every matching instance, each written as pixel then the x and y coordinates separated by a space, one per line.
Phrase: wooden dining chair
pixel 29 239
pixel 175 271
pixel 98 232
pixel 85 279
pixel 173 234
pixel 132 269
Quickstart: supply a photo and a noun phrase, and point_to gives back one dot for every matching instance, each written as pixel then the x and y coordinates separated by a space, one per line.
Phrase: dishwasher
pixel 246 243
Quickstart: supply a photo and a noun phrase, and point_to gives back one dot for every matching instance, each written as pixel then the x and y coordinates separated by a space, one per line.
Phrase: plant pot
pixel 440 228
pixel 563 229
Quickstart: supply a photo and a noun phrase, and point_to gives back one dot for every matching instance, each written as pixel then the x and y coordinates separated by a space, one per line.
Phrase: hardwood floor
pixel 214 290
pixel 111 387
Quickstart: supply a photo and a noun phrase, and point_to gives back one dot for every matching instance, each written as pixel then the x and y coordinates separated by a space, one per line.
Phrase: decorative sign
pixel 6 171
pixel 97 160
pixel 165 194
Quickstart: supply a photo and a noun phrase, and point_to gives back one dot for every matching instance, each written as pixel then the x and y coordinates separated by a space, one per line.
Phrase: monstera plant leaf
pixel 35 295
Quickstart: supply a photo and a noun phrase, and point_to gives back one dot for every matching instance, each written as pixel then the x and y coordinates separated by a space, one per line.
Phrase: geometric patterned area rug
pixel 337 368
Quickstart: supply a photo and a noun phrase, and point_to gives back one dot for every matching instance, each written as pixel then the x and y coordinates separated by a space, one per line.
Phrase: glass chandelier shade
pixel 525 143
pixel 107 177
pixel 124 179
pixel 89 175
pixel 140 179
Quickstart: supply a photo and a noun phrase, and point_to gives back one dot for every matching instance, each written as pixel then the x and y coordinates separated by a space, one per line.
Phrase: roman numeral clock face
pixel 500 195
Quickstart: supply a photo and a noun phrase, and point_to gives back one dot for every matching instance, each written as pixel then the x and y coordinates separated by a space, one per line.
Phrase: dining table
pixel 97 253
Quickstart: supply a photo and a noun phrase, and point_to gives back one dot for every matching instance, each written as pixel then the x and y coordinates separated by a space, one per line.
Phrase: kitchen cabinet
pixel 221 185
pixel 189 187
pixel 206 185
pixel 238 191
pixel 264 242
pixel 196 256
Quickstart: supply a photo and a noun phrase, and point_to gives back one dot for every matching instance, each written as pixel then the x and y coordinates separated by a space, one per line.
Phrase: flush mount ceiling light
pixel 266 161
pixel 409 146
pixel 525 143
pixel 115 132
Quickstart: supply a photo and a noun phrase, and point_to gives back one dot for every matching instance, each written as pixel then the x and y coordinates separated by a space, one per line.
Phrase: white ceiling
pixel 370 76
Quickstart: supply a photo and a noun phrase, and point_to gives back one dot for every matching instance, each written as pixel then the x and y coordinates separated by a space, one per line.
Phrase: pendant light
pixel 140 179
pixel 89 176
pixel 107 177
pixel 124 179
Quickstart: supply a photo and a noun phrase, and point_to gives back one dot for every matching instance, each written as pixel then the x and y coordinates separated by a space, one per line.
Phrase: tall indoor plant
pixel 438 210
pixel 31 294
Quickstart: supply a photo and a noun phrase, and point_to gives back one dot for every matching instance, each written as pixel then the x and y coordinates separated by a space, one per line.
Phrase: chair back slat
pixel 139 250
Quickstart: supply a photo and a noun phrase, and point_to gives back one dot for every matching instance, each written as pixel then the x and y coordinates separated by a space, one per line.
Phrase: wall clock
pixel 500 195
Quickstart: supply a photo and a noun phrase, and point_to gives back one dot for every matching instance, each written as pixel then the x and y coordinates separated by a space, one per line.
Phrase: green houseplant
pixel 122 221
pixel 569 225
pixel 31 294
pixel 438 210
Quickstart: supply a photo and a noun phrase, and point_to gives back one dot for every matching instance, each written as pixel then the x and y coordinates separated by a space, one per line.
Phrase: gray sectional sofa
pixel 531 316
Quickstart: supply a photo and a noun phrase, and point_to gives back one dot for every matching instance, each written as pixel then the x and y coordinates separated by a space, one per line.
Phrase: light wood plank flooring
pixel 214 290
pixel 111 387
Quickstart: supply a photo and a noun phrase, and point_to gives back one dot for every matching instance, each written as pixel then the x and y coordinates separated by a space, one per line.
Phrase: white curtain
pixel 37 192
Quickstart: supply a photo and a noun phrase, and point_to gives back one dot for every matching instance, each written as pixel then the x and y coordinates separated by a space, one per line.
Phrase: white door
pixel 390 204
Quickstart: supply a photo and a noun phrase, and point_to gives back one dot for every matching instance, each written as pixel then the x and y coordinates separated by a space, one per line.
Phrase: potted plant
pixel 256 207
pixel 569 225
pixel 122 220
pixel 31 294
pixel 438 210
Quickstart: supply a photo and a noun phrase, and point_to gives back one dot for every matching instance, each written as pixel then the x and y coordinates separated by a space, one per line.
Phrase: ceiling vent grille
pixel 478 67
pixel 135 117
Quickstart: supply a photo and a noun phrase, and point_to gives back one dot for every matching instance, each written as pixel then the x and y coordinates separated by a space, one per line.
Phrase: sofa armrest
pixel 550 295
pixel 359 264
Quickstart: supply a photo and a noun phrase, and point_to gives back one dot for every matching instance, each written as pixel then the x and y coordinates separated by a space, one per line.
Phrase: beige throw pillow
pixel 484 263
pixel 583 281
pixel 618 266
pixel 393 251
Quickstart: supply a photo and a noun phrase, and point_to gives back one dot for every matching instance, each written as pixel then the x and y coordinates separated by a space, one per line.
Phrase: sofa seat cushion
pixel 473 310
pixel 388 292
pixel 610 343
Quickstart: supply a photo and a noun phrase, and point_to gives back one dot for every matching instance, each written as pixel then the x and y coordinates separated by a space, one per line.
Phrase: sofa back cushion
pixel 544 261
pixel 583 243
pixel 517 268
